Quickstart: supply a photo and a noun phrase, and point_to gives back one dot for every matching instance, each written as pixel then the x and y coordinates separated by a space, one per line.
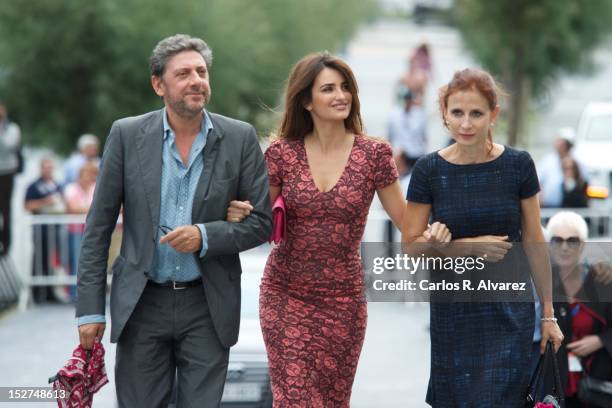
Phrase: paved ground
pixel 392 371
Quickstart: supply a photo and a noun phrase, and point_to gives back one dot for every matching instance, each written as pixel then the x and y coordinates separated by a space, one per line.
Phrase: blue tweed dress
pixel 480 352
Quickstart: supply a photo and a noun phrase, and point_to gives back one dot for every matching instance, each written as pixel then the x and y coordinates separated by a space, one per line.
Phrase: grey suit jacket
pixel 130 176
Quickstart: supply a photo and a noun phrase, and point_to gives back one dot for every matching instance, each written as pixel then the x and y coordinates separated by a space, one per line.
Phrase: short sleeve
pixel 419 189
pixel 530 185
pixel 386 171
pixel 71 194
pixel 274 161
pixel 32 192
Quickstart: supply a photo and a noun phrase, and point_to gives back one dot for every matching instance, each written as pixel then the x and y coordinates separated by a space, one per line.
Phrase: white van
pixel 593 149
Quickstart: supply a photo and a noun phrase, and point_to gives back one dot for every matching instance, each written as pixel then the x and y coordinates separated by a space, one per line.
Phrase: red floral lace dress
pixel 312 303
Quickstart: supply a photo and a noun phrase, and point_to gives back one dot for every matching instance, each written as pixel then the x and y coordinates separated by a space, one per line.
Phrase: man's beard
pixel 183 109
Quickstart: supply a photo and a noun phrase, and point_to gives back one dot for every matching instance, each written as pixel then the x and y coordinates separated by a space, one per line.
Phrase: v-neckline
pixel 346 165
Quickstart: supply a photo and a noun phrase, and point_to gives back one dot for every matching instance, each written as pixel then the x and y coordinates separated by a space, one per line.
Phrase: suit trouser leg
pixel 201 359
pixel 144 365
pixel 170 331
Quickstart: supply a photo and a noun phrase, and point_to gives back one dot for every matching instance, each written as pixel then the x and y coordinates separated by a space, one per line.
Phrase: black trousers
pixel 170 333
pixel 6 192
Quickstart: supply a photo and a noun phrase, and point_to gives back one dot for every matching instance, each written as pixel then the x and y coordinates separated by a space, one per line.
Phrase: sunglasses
pixel 165 229
pixel 571 241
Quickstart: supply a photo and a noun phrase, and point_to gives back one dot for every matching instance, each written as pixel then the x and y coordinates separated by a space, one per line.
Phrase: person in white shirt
pixel 550 170
pixel 406 130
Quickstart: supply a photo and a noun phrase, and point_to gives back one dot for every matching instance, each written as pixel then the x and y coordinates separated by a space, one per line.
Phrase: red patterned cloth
pixel 312 303
pixel 582 325
pixel 81 377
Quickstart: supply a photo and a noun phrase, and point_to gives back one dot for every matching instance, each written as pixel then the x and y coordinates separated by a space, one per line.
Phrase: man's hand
pixel 89 332
pixel 184 239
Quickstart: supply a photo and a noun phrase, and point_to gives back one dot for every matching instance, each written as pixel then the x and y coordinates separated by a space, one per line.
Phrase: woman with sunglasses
pixel 582 295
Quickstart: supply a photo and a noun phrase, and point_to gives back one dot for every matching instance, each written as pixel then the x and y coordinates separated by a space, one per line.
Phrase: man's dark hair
pixel 170 46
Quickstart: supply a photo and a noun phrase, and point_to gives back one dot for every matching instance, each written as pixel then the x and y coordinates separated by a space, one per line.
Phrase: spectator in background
pixel 419 72
pixel 550 170
pixel 574 185
pixel 406 130
pixel 44 196
pixel 79 196
pixel 10 144
pixel 89 150
pixel 421 59
pixel 582 305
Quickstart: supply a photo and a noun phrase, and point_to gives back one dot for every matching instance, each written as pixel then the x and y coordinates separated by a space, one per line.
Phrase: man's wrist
pixel 203 240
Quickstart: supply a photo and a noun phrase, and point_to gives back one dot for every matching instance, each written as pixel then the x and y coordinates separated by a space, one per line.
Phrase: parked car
pixel 248 380
pixel 593 149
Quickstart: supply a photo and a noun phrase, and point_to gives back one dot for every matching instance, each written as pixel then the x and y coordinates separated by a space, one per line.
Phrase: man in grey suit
pixel 175 295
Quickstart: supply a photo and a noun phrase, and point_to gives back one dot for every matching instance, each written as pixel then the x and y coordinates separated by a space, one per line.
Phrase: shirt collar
pixel 207 125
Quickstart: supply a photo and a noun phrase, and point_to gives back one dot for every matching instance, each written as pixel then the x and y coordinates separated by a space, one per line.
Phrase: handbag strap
pixel 536 379
pixel 538 376
pixel 557 386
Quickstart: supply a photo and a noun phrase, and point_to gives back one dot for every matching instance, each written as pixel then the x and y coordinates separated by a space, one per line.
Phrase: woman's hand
pixel 238 211
pixel 550 331
pixel 603 273
pixel 437 233
pixel 586 345
pixel 493 248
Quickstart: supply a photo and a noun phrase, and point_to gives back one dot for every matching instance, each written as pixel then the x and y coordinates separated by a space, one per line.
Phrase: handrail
pixel 61 219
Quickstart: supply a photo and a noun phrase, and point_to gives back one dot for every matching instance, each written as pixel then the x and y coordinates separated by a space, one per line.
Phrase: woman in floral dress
pixel 312 302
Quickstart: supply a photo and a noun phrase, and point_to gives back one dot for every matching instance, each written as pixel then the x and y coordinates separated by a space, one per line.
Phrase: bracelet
pixel 549 319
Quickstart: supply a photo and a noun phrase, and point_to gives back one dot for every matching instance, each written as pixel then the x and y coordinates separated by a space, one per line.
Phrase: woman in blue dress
pixel 484 194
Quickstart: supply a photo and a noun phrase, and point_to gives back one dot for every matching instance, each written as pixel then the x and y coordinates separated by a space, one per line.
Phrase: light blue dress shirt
pixel 178 186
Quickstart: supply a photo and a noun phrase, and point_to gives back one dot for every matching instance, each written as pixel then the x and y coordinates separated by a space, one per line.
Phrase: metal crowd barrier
pixel 51 255
pixel 53 272
pixel 599 221
pixel 10 283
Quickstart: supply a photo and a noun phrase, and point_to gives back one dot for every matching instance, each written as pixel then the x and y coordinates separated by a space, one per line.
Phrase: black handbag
pixel 596 393
pixel 535 391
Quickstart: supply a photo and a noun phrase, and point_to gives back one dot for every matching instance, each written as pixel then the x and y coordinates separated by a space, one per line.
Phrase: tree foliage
pixel 529 44
pixel 69 67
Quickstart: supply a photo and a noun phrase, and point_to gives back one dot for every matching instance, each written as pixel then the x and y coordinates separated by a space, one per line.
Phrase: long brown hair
pixel 296 121
pixel 472 79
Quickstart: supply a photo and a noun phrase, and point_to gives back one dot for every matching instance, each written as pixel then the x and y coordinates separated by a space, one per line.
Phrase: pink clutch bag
pixel 279 219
